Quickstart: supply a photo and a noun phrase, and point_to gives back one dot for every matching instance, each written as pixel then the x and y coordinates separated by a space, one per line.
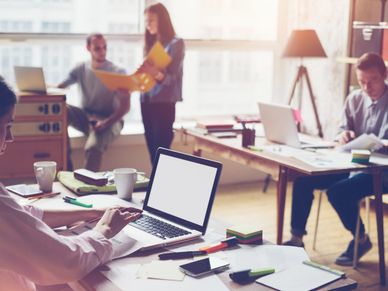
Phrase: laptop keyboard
pixel 157 227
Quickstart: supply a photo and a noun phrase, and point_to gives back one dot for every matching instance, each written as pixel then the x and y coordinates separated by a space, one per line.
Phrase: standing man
pixel 366 111
pixel 102 110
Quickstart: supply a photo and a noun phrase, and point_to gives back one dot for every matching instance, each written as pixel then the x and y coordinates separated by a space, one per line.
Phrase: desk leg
pixel 281 201
pixel 380 221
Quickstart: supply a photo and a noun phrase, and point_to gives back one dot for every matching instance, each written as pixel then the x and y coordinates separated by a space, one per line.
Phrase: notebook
pixel 31 79
pixel 179 200
pixel 301 277
pixel 280 127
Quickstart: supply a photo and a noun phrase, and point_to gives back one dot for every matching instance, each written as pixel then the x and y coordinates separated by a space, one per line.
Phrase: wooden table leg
pixel 377 185
pixel 281 201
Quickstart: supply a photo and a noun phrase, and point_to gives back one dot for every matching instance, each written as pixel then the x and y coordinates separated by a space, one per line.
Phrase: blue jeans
pixel 344 195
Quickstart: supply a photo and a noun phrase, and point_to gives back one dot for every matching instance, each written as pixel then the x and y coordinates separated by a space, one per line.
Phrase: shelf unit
pixel 40 134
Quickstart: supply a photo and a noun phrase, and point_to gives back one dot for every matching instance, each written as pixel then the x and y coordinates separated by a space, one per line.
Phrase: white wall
pixel 330 20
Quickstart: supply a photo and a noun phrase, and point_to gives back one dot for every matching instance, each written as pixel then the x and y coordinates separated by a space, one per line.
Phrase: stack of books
pixel 246 234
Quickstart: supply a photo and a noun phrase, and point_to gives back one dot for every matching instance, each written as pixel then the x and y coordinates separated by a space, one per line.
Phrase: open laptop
pixel 280 127
pixel 179 200
pixel 31 79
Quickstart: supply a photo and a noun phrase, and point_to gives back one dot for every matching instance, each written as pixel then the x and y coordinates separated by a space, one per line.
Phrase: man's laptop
pixel 280 127
pixel 179 200
pixel 31 79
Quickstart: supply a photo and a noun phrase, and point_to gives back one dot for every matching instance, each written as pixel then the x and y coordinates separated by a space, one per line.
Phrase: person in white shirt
pixel 31 252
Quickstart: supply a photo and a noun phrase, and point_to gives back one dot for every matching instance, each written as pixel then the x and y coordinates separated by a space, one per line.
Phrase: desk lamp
pixel 304 44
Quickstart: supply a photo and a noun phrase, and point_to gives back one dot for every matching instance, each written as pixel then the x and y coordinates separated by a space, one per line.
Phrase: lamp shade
pixel 304 43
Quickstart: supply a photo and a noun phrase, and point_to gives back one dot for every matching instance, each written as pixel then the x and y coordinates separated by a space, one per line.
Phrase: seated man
pixel 100 117
pixel 366 111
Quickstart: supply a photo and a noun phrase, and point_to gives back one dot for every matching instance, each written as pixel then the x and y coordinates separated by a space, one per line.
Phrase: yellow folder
pixel 137 81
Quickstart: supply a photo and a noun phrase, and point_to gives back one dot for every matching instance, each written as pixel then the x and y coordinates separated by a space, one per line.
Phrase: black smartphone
pixel 204 266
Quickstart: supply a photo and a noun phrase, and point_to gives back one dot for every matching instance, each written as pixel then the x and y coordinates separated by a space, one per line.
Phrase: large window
pixel 230 45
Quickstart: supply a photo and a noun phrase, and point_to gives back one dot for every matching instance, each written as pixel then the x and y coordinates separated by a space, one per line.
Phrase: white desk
pixel 96 281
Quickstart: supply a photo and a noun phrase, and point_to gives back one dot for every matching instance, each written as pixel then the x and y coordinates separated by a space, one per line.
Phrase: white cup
pixel 45 174
pixel 125 180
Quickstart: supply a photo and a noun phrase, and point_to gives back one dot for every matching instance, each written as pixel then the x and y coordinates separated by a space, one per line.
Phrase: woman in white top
pixel 30 251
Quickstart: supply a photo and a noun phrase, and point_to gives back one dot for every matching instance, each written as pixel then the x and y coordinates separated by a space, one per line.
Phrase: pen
pixel 324 268
pixel 248 275
pixel 75 202
pixel 181 255
pixel 231 241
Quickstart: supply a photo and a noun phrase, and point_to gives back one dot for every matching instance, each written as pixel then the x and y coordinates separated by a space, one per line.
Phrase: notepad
pixel 297 278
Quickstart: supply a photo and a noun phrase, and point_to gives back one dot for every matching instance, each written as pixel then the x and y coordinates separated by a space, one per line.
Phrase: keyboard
pixel 157 227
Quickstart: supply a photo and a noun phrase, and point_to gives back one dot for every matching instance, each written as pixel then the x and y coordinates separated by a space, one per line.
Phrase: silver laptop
pixel 179 200
pixel 280 127
pixel 31 79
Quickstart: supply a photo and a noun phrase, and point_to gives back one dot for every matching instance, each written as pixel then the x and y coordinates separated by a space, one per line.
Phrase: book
pixel 81 188
pixel 137 81
pixel 215 124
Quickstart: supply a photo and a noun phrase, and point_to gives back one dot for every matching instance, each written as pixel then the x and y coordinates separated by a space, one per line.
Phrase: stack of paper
pixel 246 234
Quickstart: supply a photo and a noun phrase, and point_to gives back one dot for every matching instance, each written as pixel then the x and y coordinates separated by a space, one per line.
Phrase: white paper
pixel 265 256
pixel 124 277
pixel 363 142
pixel 298 278
pixel 163 270
pixel 379 159
pixel 123 245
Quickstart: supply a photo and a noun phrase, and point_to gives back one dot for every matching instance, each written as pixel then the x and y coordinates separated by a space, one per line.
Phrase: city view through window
pixel 226 71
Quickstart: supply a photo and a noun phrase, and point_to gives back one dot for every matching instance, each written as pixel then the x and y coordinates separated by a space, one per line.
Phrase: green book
pixel 81 188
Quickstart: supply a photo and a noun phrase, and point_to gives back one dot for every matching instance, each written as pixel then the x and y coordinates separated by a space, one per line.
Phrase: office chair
pixel 357 236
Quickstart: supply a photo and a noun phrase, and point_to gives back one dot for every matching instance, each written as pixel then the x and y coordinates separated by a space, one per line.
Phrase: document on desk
pixel 125 278
pixel 265 256
pixel 326 159
pixel 363 142
pixel 298 278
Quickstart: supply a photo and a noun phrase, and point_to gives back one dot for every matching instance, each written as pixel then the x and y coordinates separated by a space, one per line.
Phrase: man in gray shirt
pixel 366 111
pixel 102 110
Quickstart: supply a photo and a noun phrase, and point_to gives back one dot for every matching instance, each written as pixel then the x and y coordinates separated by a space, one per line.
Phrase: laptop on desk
pixel 280 127
pixel 179 200
pixel 31 79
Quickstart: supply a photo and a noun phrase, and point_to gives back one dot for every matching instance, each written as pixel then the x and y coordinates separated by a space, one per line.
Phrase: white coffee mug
pixel 125 180
pixel 45 172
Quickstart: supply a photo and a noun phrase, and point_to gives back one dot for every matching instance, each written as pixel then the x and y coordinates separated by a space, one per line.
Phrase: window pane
pixel 226 82
pixel 58 58
pixel 71 16
pixel 225 19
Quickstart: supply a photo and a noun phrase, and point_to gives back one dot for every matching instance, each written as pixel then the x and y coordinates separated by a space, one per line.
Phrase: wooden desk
pixel 280 168
pixel 97 282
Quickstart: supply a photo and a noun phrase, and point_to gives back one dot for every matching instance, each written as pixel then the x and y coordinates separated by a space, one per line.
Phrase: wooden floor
pixel 246 203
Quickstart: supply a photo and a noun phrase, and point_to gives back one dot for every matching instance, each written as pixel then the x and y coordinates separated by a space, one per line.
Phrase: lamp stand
pixel 302 72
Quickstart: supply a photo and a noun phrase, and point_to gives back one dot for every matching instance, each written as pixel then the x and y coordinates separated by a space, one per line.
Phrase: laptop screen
pixel 182 188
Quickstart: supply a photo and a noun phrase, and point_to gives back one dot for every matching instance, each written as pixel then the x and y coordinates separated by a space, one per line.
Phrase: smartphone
pixel 204 266
pixel 24 190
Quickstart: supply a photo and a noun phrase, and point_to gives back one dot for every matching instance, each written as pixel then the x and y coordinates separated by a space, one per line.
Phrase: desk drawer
pixel 36 128
pixel 39 109
pixel 19 157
